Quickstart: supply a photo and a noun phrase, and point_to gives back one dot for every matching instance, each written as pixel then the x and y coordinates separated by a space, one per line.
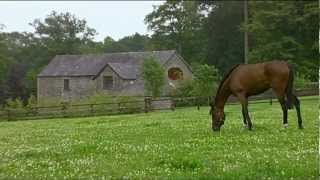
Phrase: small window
pixel 175 73
pixel 107 82
pixel 66 85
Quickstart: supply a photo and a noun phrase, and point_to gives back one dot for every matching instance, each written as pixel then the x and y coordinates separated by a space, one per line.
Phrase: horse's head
pixel 218 117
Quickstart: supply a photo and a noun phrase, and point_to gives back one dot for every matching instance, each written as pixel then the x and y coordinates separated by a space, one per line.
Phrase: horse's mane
pixel 225 78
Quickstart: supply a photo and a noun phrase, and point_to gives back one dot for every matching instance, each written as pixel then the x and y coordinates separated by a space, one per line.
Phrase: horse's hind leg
pixel 284 110
pixel 296 103
pixel 244 117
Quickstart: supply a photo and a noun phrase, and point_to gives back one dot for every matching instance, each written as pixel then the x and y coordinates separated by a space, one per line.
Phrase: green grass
pixel 165 145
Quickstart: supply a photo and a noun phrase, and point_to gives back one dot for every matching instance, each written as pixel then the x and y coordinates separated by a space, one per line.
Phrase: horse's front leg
pixel 245 109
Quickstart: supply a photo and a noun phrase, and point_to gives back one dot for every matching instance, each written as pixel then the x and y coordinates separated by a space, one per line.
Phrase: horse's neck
pixel 222 97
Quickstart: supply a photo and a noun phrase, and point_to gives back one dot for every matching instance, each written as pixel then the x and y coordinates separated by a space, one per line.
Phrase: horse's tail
pixel 289 89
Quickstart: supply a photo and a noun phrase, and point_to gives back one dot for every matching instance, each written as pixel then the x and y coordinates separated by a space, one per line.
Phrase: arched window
pixel 175 73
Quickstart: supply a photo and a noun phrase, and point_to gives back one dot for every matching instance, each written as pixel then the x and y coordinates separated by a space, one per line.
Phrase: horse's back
pixel 257 78
pixel 276 68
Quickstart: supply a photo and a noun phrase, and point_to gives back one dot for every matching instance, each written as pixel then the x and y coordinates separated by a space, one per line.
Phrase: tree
pixel 285 30
pixel 225 39
pixel 63 33
pixel 178 25
pixel 5 61
pixel 5 58
pixel 153 75
pixel 16 82
pixel 206 79
pixel 28 51
pixel 135 42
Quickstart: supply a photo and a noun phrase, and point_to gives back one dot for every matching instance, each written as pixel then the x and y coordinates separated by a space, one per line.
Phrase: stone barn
pixel 71 77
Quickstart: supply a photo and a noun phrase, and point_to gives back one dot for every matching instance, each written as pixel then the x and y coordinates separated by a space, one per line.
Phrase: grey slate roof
pixel 126 65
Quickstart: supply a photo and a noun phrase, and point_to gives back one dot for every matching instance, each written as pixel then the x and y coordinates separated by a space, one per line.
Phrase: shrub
pixel 32 101
pixel 204 84
pixel 16 104
pixel 154 76
pixel 301 81
pixel 205 80
pixel 186 89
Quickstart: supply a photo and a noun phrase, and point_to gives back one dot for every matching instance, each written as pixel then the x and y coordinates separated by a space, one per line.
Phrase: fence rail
pixel 146 104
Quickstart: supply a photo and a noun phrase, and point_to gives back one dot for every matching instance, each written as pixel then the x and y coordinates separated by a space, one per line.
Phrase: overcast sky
pixel 110 18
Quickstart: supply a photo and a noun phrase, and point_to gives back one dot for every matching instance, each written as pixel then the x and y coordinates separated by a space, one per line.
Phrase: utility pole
pixel 246 48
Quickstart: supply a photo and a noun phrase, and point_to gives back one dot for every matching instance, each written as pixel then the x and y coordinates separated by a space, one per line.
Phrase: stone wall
pixel 52 87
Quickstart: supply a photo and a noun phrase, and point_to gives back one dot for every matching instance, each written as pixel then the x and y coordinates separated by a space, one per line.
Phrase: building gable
pixel 125 64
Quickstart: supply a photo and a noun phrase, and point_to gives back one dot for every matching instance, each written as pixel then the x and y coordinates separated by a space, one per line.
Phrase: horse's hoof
pixel 285 126
pixel 301 127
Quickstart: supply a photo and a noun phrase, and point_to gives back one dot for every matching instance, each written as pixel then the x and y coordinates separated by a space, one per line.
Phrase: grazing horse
pixel 246 80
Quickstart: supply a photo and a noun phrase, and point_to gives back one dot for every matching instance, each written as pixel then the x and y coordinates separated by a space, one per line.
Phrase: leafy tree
pixel 154 76
pixel 27 51
pixel 285 30
pixel 204 83
pixel 91 47
pixel 225 39
pixel 206 79
pixel 16 81
pixel 5 61
pixel 63 33
pixel 178 25
pixel 186 89
pixel 135 42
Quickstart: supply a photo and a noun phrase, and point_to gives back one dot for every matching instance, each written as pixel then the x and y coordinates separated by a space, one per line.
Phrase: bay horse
pixel 245 80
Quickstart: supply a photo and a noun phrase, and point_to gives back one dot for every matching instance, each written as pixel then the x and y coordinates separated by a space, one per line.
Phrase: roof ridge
pixel 124 52
pixel 87 64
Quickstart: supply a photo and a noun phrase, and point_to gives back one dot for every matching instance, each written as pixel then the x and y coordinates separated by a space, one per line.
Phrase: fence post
pixel 147 104
pixel 197 103
pixel 173 104
pixel 35 110
pixel 9 115
pixel 63 108
pixel 91 109
pixel 119 107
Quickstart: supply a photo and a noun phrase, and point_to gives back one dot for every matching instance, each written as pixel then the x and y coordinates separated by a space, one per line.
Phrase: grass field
pixel 164 145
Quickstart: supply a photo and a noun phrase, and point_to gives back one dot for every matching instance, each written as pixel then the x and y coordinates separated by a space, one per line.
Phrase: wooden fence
pixel 144 104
